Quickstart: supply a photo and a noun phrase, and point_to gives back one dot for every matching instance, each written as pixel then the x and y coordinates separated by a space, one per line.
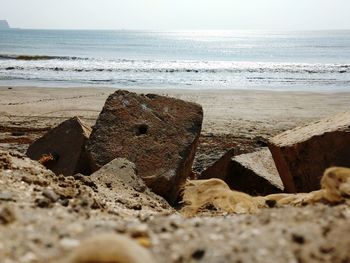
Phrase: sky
pixel 178 14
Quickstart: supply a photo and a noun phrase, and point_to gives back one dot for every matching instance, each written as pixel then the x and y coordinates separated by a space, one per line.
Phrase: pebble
pixel 7 215
pixel 134 206
pixel 50 194
pixel 297 238
pixel 112 248
pixel 198 254
pixel 43 202
pixel 64 202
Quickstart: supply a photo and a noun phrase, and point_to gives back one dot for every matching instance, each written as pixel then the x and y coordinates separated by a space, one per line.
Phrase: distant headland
pixel 4 24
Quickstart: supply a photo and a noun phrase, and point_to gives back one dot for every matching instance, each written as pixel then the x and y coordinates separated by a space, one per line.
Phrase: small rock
pixel 43 202
pixel 50 194
pixel 140 188
pixel 198 254
pixel 62 149
pixel 64 202
pixel 7 215
pixel 135 206
pixel 110 248
pixel 96 204
pixel 298 239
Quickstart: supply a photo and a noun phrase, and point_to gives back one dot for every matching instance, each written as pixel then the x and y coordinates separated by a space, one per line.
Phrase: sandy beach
pixel 241 112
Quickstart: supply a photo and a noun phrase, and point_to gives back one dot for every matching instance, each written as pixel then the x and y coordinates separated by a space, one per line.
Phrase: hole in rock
pixel 141 129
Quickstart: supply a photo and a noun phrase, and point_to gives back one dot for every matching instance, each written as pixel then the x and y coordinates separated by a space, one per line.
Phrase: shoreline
pixel 184 89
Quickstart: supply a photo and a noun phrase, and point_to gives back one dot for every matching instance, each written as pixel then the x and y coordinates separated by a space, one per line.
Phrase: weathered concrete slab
pixel 255 174
pixel 302 154
pixel 62 149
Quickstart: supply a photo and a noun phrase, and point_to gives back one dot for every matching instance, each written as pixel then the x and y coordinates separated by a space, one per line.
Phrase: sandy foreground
pixel 40 232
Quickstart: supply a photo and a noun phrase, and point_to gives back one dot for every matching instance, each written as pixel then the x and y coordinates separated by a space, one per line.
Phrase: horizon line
pixel 183 30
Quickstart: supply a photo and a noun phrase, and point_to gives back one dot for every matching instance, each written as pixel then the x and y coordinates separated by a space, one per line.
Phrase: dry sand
pixel 36 233
pixel 239 112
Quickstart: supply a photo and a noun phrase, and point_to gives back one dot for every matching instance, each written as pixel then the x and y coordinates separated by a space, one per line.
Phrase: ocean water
pixel 313 61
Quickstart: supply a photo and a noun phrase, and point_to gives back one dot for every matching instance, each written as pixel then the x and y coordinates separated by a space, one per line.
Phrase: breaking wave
pixel 80 64
pixel 67 70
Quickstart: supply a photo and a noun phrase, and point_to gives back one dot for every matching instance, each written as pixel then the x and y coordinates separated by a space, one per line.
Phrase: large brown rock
pixel 62 149
pixel 255 174
pixel 158 134
pixel 302 154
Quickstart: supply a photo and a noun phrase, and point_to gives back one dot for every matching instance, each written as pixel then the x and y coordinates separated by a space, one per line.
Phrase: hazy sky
pixel 177 14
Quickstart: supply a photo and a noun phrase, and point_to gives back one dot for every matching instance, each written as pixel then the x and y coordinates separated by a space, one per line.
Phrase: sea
pixel 259 60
